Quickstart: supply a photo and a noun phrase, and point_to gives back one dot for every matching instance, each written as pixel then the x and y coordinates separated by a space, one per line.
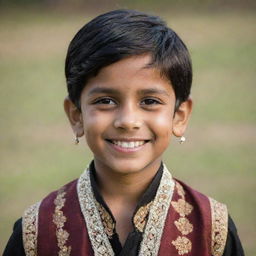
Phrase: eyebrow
pixel 102 90
pixel 146 91
pixel 153 91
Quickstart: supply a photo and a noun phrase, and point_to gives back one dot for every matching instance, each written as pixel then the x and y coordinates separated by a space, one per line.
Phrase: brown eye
pixel 105 101
pixel 150 101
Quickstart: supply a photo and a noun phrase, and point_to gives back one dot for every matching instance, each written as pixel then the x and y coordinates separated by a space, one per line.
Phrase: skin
pixel 127 101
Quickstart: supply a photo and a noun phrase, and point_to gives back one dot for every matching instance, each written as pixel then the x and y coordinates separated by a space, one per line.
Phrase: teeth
pixel 130 144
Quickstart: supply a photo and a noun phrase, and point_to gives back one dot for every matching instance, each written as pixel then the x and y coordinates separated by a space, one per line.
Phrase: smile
pixel 128 145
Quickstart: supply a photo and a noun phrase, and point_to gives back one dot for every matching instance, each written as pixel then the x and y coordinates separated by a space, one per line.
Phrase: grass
pixel 37 152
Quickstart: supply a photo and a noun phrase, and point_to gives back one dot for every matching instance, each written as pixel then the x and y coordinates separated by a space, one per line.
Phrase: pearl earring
pixel 76 140
pixel 182 139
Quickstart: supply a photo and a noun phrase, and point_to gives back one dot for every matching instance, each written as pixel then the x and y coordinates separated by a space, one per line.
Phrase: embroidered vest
pixel 181 221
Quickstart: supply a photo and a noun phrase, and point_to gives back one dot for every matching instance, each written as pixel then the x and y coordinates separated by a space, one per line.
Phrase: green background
pixel 37 154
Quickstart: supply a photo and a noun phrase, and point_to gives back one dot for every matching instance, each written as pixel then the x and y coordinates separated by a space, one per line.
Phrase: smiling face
pixel 127 116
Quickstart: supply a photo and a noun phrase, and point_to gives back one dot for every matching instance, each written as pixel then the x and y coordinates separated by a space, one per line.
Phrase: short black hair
pixel 118 34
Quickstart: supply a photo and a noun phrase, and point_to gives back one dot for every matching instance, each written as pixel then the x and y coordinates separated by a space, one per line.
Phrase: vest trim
pixel 157 215
pixel 219 227
pixel 99 240
pixel 30 229
pixel 154 228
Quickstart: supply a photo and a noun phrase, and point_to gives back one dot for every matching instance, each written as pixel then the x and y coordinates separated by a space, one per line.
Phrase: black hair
pixel 118 34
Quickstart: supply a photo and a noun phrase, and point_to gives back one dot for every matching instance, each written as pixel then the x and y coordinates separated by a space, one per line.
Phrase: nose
pixel 128 118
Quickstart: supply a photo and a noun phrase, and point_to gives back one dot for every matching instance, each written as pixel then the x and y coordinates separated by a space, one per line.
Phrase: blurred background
pixel 37 153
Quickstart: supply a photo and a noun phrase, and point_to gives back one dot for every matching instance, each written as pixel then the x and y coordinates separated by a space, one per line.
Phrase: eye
pixel 150 101
pixel 104 101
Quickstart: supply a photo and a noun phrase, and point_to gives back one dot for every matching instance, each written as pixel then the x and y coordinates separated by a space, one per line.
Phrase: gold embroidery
pixel 59 220
pixel 140 218
pixel 180 190
pixel 29 229
pixel 98 237
pixel 182 207
pixel 153 229
pixel 183 245
pixel 184 226
pixel 106 219
pixel 219 227
pixel 157 215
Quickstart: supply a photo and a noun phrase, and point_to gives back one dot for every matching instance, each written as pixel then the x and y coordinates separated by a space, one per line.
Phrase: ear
pixel 181 117
pixel 75 117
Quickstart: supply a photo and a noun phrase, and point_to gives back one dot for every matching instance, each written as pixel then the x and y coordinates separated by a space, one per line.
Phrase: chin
pixel 127 171
pixel 131 167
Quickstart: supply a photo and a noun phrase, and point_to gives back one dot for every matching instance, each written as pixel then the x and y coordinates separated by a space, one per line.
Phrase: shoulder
pixel 31 216
pixel 233 244
pixel 213 213
pixel 219 214
pixel 31 212
pixel 49 200
pixel 15 243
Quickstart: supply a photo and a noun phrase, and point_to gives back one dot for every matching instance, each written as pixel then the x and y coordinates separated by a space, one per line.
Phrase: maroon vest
pixel 195 225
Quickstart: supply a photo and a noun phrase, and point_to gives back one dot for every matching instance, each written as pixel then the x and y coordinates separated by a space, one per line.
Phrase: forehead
pixel 129 75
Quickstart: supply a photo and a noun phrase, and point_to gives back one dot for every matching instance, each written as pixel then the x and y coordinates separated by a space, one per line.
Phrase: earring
pixel 76 140
pixel 182 139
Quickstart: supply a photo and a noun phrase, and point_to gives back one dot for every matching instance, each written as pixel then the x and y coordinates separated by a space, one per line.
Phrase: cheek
pixel 95 123
pixel 163 124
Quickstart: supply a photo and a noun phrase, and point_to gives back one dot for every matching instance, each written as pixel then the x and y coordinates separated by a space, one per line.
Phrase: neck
pixel 127 188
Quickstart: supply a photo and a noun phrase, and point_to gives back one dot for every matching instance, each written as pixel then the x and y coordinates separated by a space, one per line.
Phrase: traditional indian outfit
pixel 170 219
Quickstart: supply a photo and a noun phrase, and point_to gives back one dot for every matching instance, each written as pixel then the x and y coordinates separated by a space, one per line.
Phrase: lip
pixel 127 139
pixel 126 150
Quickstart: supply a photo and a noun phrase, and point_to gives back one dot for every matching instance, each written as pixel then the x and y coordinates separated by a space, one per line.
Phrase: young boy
pixel 129 78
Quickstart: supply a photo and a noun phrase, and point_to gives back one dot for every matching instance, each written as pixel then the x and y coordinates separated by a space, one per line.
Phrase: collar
pixel 141 211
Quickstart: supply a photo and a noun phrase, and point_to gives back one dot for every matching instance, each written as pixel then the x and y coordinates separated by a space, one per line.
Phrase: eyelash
pixel 153 101
pixel 102 101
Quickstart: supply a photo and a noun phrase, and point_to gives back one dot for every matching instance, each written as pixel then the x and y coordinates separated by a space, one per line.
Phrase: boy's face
pixel 127 116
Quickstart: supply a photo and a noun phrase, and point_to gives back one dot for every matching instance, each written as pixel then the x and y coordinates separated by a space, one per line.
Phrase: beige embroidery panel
pixel 219 227
pixel 29 229
pixel 157 215
pixel 154 228
pixel 98 237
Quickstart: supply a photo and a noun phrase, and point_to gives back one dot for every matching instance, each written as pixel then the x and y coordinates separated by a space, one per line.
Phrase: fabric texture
pixel 132 245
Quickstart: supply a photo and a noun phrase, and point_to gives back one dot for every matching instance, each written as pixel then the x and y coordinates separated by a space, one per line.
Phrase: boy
pixel 129 78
